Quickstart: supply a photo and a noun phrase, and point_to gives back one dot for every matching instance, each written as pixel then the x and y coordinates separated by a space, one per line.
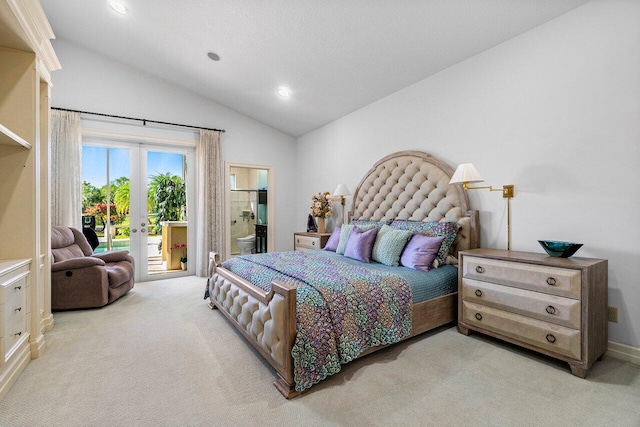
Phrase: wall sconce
pixel 466 173
pixel 342 191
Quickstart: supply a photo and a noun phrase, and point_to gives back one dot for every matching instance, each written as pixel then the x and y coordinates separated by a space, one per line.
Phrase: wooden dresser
pixel 556 306
pixel 309 241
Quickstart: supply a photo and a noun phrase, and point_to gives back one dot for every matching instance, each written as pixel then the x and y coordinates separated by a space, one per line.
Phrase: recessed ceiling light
pixel 118 7
pixel 284 92
pixel 213 56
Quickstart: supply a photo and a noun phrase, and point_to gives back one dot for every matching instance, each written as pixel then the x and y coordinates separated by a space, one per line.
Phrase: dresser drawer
pixel 549 336
pixel 549 308
pixel 15 329
pixel 307 242
pixel 551 280
pixel 13 283
pixel 13 308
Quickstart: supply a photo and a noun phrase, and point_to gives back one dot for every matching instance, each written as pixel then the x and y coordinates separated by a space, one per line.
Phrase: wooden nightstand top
pixel 533 258
pixel 304 233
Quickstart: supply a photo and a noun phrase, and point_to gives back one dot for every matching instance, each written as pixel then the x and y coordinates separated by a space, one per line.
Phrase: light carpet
pixel 160 357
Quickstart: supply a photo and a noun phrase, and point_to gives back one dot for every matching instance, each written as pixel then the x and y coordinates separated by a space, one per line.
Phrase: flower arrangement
pixel 182 246
pixel 100 210
pixel 322 205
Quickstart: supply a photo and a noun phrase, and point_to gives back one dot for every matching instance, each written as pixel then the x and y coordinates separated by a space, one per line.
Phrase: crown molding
pixel 36 30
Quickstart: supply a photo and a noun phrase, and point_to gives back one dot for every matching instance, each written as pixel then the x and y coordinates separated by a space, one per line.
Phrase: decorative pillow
pixel 421 251
pixel 448 230
pixel 334 239
pixel 389 244
pixel 344 235
pixel 360 244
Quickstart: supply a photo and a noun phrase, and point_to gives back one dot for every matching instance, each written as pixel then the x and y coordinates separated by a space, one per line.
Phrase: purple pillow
pixel 360 244
pixel 334 239
pixel 420 252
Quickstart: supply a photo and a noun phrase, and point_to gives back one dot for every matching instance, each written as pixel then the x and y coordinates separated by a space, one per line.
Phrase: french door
pixel 138 197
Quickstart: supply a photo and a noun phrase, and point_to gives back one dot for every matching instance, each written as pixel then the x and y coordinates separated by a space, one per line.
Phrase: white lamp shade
pixel 466 172
pixel 342 190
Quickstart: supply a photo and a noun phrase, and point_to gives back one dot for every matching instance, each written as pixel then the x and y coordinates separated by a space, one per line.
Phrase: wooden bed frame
pixel 409 185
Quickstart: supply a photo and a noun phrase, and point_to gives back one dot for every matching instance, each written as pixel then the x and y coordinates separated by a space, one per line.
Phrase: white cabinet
pixel 14 320
pixel 26 61
pixel 14 307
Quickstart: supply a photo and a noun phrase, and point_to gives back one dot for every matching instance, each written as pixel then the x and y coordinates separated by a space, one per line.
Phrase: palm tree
pixel 122 199
pixel 167 197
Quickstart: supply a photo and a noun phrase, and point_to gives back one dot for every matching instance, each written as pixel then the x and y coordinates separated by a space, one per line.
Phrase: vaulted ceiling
pixel 335 56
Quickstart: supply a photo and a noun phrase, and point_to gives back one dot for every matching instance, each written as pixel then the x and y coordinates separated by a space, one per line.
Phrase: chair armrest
pixel 75 263
pixel 112 256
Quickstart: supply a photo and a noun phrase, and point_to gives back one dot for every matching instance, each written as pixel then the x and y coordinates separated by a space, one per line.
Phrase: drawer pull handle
pixel 478 293
pixel 313 243
pixel 551 338
pixel 478 316
pixel 551 281
pixel 551 309
pixel 17 334
pixel 18 309
pixel 480 269
pixel 17 288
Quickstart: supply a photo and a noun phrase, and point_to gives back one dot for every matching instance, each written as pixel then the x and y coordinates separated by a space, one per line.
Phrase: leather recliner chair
pixel 82 279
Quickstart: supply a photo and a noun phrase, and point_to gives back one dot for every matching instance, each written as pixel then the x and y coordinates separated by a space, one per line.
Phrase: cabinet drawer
pixel 12 282
pixel 545 335
pixel 15 328
pixel 307 242
pixel 550 280
pixel 14 317
pixel 549 308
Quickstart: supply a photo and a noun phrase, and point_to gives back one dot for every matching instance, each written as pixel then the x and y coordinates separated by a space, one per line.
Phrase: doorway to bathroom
pixel 249 209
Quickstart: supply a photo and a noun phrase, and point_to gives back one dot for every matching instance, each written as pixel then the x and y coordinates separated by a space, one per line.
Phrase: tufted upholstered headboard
pixel 415 185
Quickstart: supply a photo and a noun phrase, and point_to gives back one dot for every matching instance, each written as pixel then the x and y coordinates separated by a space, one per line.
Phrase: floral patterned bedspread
pixel 342 310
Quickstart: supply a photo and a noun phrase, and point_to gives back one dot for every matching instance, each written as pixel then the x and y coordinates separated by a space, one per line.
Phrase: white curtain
pixel 210 200
pixel 66 169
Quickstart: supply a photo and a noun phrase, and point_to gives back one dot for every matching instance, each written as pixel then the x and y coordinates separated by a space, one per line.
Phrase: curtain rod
pixel 144 121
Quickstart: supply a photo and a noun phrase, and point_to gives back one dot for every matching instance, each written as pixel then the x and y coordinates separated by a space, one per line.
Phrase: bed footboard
pixel 266 319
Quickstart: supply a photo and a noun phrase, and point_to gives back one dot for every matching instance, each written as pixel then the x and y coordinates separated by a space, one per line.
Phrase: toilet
pixel 246 244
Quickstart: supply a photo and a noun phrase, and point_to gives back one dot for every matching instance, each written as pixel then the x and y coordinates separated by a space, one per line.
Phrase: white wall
pixel 93 83
pixel 555 111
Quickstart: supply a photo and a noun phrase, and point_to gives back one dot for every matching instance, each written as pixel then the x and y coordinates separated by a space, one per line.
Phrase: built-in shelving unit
pixel 11 138
pixel 26 61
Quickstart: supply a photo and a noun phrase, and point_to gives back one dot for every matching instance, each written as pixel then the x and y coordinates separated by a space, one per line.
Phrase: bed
pixel 407 187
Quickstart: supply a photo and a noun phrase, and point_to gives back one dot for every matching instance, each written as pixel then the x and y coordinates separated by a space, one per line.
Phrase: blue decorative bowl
pixel 559 249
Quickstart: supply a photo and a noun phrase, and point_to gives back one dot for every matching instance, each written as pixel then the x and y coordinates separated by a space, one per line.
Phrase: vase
pixel 320 225
pixel 183 265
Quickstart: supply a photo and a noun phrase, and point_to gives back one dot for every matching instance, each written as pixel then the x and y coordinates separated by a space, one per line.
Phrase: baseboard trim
pixel 47 323
pixel 37 346
pixel 624 352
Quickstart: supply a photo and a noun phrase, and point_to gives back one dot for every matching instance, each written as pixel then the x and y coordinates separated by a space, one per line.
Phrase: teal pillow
pixel 389 245
pixel 344 235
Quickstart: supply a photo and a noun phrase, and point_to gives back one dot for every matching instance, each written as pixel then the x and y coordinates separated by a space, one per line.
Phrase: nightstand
pixel 309 241
pixel 555 306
